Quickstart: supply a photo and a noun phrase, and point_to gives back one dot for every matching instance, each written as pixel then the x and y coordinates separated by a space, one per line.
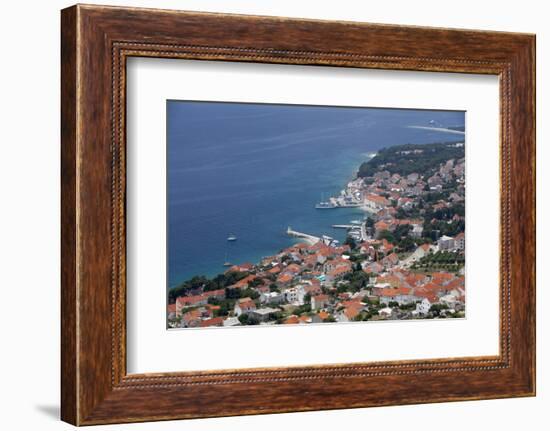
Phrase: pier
pixel 344 226
pixel 309 238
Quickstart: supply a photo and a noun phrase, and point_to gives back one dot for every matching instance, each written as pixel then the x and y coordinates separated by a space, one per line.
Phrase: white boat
pixel 325 205
pixel 231 237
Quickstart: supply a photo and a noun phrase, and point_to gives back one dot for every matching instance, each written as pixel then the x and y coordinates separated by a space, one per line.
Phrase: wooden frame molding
pixel 95 43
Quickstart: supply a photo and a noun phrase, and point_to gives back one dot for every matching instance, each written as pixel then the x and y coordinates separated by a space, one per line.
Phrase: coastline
pixel 287 205
pixel 405 262
pixel 439 129
pixel 344 214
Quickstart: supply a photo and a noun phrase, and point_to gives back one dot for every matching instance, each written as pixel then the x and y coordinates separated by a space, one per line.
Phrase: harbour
pixel 253 185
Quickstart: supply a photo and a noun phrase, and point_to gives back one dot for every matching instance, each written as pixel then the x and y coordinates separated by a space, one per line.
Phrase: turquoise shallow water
pixel 254 169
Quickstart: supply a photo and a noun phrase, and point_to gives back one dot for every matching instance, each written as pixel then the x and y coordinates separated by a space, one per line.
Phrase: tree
pixel 403 159
pixel 232 293
pixel 246 319
pixel 202 283
pixel 306 308
pixel 387 235
pixel 253 321
pixel 370 222
pixel 351 242
pixel 402 231
pixel 250 293
pixel 407 244
pixel 256 282
pixel 225 307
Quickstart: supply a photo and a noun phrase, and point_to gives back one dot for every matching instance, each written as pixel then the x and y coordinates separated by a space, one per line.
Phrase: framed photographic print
pixel 329 214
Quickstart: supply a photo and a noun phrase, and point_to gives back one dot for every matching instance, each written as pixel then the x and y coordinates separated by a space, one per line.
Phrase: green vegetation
pixel 450 261
pixel 357 280
pixel 306 308
pixel 220 281
pixel 436 309
pixel 387 235
pixel 226 306
pixel 246 319
pixel 241 293
pixel 411 158
pixel 351 242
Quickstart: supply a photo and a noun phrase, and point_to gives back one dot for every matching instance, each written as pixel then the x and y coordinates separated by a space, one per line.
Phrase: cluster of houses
pixel 369 280
pixel 315 276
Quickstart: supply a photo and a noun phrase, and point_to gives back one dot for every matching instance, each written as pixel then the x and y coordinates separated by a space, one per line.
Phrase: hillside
pixel 409 158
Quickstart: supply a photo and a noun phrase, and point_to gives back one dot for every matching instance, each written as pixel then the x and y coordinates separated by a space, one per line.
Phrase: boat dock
pixel 344 226
pixel 309 238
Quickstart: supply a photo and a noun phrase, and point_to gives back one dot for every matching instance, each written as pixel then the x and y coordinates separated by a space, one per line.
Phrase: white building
pixel 450 300
pixel 271 298
pixel 446 243
pixel 231 321
pixel 375 202
pixel 385 312
pixel 244 306
pixel 460 241
pixel 263 314
pixel 295 295
pixel 318 302
pixel 420 252
pixel 417 231
pixel 423 307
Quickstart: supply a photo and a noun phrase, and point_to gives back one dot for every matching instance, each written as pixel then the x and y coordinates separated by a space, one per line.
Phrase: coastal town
pixel 404 259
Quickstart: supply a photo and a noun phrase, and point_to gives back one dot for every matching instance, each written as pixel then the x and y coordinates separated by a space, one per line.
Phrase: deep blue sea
pixel 254 169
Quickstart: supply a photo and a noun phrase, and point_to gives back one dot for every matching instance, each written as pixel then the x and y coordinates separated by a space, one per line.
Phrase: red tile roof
pixel 192 315
pixel 352 312
pixel 323 315
pixel 389 292
pixel 381 225
pixel 210 293
pixel 394 280
pixel 430 295
pixel 284 278
pixel 340 270
pixel 245 281
pixel 215 321
pixel 274 270
pixel 381 200
pixel 247 304
pixel 442 277
pixel 186 301
pixel 291 320
pixel 414 279
pixel 433 287
pixel 293 268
